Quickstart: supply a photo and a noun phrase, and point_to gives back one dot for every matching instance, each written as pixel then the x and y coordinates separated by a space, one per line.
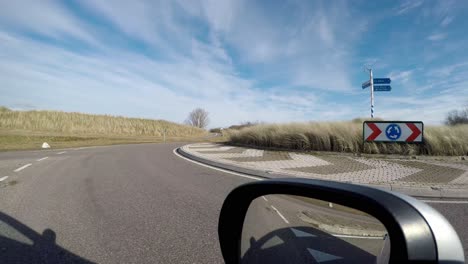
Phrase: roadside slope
pixel 28 129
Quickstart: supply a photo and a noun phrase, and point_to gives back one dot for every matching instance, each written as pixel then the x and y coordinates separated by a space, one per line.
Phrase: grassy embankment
pixel 29 129
pixel 347 137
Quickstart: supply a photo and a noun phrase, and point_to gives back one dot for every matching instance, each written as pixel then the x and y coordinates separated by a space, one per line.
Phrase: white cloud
pixel 401 76
pixel 437 36
pixel 407 6
pixel 313 49
pixel 45 17
pixel 230 57
pixel 446 21
pixel 129 84
pixel 448 70
pixel 430 109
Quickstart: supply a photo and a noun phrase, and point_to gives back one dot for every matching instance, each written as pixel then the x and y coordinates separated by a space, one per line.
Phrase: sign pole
pixel 371 93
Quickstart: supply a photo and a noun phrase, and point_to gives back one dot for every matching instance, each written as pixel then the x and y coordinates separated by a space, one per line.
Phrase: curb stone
pixel 423 192
pixel 341 229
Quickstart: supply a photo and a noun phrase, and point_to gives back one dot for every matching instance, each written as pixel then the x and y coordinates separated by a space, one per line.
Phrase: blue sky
pixel 241 60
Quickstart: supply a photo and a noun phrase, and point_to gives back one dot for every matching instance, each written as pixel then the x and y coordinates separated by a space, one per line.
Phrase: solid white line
pixel 214 168
pixel 80 148
pixel 360 237
pixel 281 215
pixel 42 159
pixel 3 178
pixel 61 152
pixel 22 168
pixel 444 202
pixel 265 198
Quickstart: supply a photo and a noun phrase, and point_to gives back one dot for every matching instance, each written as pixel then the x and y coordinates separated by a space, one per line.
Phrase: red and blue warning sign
pixel 393 131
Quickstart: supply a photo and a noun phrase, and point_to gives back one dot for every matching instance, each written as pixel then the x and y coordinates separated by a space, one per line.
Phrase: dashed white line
pixel 280 214
pixel 61 152
pixel 3 178
pixel 263 197
pixel 23 167
pixel 41 159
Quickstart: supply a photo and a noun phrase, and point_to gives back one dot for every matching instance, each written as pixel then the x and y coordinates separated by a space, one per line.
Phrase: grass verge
pixel 21 130
pixel 27 142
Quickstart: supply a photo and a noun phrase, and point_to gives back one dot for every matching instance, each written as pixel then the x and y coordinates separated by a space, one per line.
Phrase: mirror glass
pixel 9 233
pixel 296 229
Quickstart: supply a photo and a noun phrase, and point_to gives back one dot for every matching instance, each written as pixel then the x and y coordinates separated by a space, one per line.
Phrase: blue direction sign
pixel 365 84
pixel 382 81
pixel 382 88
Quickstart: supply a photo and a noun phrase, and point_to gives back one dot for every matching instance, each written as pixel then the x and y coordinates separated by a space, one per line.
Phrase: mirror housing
pixel 418 233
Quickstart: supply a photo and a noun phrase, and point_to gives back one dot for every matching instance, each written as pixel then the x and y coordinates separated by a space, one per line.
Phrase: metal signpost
pixel 376 88
pixel 393 131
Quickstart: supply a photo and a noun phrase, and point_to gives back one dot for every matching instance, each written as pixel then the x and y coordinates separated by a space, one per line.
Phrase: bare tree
pixel 198 118
pixel 457 117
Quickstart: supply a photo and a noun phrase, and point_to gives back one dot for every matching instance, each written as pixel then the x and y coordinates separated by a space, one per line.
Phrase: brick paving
pixel 424 173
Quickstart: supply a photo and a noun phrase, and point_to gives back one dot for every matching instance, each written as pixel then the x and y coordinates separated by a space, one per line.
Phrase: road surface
pixel 121 204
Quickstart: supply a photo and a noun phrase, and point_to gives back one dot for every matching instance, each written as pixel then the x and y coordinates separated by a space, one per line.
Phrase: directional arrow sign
pixel 365 84
pixel 393 131
pixel 382 81
pixel 382 88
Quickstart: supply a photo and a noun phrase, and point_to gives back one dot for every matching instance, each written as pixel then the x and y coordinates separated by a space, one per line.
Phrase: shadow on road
pixel 312 246
pixel 21 244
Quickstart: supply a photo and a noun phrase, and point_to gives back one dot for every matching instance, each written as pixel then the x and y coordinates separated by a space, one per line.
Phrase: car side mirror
pixel 314 221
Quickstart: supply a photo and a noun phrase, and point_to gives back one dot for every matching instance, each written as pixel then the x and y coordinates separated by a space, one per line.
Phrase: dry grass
pixel 84 124
pixel 28 129
pixel 347 137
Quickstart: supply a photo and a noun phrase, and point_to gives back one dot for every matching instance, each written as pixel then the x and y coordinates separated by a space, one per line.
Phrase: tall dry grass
pixel 347 137
pixel 85 124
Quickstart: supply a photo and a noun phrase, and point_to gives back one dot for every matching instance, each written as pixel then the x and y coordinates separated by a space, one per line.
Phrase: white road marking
pixel 320 256
pixel 61 152
pixel 41 159
pixel 444 202
pixel 359 237
pixel 90 147
pixel 23 167
pixel 266 200
pixel 3 178
pixel 274 241
pixel 281 215
pixel 214 168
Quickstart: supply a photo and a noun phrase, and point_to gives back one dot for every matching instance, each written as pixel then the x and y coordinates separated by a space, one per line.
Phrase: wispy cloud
pixel 447 70
pixel 45 17
pixel 446 21
pixel 401 76
pixel 241 60
pixel 437 36
pixel 407 6
pixel 142 87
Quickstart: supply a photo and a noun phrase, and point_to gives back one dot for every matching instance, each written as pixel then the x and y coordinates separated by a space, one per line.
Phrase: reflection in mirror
pixel 296 229
pixel 7 232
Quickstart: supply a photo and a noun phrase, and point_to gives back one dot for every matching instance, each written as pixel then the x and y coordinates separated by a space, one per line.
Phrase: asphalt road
pixel 120 204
